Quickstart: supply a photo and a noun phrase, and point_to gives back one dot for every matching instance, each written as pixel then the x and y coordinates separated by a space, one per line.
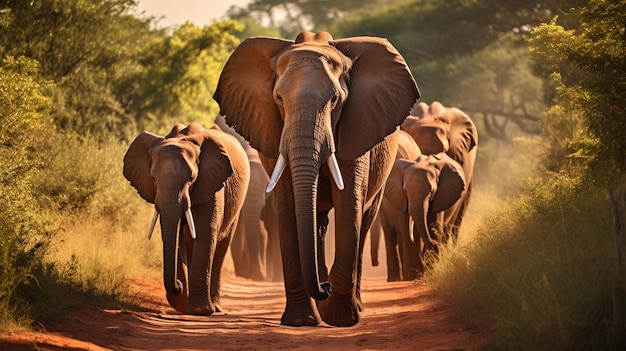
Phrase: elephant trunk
pixel 170 224
pixel 305 153
pixel 421 236
pixel 305 178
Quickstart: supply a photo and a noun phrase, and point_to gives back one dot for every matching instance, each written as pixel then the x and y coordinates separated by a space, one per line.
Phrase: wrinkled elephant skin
pixel 197 180
pixel 325 112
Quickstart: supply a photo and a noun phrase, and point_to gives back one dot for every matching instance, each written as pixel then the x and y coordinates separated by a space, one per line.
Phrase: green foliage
pixel 546 270
pixel 543 271
pixel 497 84
pixel 178 76
pixel 292 16
pixel 589 65
pixel 24 237
pixel 87 76
pixel 83 47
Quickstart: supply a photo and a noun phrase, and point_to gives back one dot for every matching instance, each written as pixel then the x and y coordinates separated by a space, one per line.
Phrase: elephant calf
pixel 197 180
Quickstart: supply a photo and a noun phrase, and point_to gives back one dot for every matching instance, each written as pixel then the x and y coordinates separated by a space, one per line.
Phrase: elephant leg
pixel 341 308
pixel 391 250
pixel 237 250
pixel 299 309
pixel 322 228
pixel 368 220
pixel 256 245
pixel 216 273
pixel 270 226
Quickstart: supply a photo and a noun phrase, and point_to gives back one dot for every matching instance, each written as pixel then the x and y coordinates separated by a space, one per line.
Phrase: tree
pixel 587 61
pixel 83 46
pixel 294 16
pixel 177 76
pixel 23 238
pixel 468 53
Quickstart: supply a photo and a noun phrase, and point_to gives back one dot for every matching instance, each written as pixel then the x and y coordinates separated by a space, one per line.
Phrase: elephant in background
pixel 269 218
pixel 323 111
pixel 417 194
pixel 392 220
pixel 197 180
pixel 254 248
pixel 437 129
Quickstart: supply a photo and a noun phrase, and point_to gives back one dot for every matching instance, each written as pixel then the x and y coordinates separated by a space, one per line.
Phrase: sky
pixel 199 12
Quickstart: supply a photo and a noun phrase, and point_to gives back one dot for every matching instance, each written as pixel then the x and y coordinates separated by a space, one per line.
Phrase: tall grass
pixel 541 271
pixel 104 222
pixel 95 232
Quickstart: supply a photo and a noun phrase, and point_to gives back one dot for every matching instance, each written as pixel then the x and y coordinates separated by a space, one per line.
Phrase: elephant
pixel 249 246
pixel 254 247
pixel 436 129
pixel 197 179
pixel 417 194
pixel 269 218
pixel 325 112
pixel 396 225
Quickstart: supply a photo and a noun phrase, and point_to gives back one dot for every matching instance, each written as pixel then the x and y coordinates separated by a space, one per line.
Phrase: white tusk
pixel 334 170
pixel 276 173
pixel 190 223
pixel 153 223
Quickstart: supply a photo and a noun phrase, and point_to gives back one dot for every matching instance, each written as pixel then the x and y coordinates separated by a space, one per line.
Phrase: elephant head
pixel 437 129
pixel 175 172
pixel 430 185
pixel 309 102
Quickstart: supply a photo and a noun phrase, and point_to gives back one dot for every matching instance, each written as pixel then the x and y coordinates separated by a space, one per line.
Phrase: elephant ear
pixel 176 131
pixel 394 190
pixel 463 135
pixel 137 162
pixel 245 93
pixel 214 166
pixel 382 91
pixel 451 185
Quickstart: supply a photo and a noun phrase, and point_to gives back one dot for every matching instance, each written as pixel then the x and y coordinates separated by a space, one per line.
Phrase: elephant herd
pixel 308 125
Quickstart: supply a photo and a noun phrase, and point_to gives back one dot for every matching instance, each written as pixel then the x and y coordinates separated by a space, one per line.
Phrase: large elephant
pixel 392 220
pixel 417 194
pixel 437 129
pixel 197 180
pixel 326 111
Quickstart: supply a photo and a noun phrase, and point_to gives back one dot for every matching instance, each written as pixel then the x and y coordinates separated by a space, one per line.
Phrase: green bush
pixel 542 271
pixel 23 243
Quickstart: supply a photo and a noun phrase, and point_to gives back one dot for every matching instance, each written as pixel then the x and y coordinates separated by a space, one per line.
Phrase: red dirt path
pixel 401 316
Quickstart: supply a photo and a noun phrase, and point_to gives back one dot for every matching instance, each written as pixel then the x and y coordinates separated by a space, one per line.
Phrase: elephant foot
pixel 200 307
pixel 178 302
pixel 340 310
pixel 298 315
pixel 201 310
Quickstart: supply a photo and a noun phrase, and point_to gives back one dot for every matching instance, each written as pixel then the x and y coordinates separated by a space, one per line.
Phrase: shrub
pixel 543 271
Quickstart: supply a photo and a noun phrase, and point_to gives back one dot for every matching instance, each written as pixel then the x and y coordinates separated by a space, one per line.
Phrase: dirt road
pixel 401 316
